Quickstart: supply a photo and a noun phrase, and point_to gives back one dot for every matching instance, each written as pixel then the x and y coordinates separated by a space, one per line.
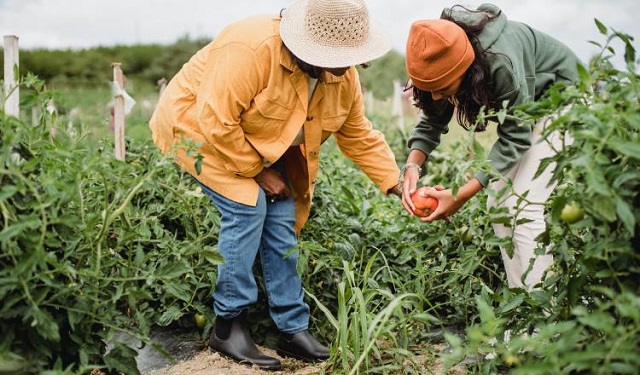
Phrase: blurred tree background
pixel 148 63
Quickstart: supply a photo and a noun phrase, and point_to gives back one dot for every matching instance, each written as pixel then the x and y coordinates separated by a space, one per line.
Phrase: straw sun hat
pixel 332 33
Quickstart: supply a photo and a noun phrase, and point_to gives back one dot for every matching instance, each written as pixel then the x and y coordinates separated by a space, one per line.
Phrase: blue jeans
pixel 244 231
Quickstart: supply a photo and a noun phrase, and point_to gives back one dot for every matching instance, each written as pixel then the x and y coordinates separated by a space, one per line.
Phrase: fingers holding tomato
pixel 424 205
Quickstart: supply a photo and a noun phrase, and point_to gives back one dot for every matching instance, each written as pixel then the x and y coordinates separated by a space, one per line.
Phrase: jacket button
pixel 309 118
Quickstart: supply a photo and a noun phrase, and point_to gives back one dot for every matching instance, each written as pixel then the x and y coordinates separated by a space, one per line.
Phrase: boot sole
pixel 284 353
pixel 245 362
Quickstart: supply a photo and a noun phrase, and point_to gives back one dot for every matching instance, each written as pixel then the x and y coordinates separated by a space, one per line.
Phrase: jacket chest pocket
pixel 265 115
pixel 331 124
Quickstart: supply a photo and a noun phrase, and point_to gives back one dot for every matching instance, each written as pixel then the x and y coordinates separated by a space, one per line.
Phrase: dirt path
pixel 208 362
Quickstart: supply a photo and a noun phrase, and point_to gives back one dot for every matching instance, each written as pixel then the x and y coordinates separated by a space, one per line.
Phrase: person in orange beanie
pixel 473 59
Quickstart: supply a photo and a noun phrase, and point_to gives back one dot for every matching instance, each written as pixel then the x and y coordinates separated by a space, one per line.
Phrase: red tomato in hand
pixel 424 205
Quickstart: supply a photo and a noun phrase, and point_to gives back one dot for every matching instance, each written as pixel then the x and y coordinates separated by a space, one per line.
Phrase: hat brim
pixel 294 35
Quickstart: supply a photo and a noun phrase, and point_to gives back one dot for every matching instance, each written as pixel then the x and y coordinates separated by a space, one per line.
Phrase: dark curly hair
pixel 474 94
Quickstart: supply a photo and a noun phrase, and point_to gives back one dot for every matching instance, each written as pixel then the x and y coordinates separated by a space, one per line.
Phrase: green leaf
pixel 44 324
pixel 601 27
pixel 198 163
pixel 15 229
pixel 11 363
pixel 170 315
pixel 485 310
pixel 122 359
pixel 583 73
pixel 172 270
pixel 478 150
pixel 605 208
pixel 596 181
pixel 179 290
pixel 139 257
pixel 212 256
pixel 631 149
pixel 629 53
pixel 7 191
pixel 515 302
pixel 595 43
pixel 599 321
pixel 625 213
pixel 501 116
pixel 632 120
pixel 426 318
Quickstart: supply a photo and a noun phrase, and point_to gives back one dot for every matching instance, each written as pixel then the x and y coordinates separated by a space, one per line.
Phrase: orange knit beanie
pixel 438 53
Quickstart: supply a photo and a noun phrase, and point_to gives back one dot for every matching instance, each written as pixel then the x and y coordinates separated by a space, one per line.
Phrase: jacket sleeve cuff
pixel 426 147
pixel 483 178
pixel 389 183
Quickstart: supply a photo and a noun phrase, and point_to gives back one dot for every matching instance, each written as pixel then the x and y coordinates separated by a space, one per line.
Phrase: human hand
pixel 273 184
pixel 409 183
pixel 447 203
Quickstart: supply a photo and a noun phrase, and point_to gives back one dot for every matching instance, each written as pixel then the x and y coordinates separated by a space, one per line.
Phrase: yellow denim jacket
pixel 243 100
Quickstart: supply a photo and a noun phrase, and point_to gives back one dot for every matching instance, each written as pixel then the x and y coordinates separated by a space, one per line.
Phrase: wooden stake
pixel 11 87
pixel 162 84
pixel 397 110
pixel 118 111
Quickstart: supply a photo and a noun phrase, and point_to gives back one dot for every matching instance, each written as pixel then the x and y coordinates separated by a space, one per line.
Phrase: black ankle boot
pixel 231 338
pixel 302 345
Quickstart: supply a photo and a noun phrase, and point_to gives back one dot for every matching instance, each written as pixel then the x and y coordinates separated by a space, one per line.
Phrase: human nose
pixel 437 96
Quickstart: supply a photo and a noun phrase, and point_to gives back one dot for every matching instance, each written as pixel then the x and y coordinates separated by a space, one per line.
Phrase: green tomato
pixel 200 320
pixel 511 360
pixel 465 234
pixel 571 213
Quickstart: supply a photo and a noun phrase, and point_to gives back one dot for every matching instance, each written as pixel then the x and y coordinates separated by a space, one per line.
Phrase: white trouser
pixel 539 190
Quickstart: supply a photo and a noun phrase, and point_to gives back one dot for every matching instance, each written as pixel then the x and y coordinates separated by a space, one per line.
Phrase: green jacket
pixel 523 63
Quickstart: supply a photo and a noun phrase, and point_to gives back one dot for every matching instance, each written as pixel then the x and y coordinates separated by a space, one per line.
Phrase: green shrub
pixel 585 318
pixel 92 246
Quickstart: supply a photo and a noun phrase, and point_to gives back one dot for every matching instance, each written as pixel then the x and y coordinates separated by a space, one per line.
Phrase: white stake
pixel 118 112
pixel 11 64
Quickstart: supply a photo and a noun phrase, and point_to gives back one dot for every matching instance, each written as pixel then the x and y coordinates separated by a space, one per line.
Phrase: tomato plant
pixel 92 246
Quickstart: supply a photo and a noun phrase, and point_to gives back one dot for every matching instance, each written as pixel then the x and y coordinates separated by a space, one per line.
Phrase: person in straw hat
pixel 257 103
pixel 473 59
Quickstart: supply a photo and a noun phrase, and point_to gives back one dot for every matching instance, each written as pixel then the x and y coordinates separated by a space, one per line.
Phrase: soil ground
pixel 208 362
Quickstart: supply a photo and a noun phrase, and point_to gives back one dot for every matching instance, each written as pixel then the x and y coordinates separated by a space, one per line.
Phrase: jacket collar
pixel 287 62
pixel 492 31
